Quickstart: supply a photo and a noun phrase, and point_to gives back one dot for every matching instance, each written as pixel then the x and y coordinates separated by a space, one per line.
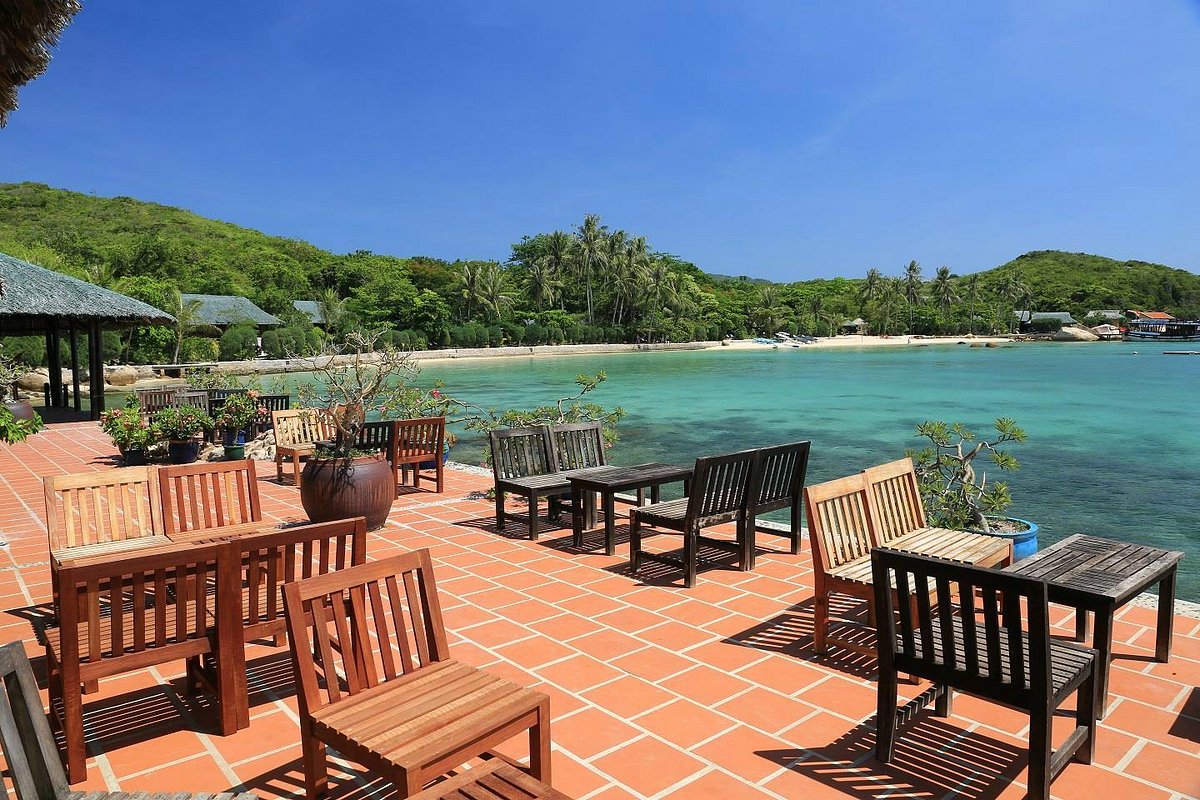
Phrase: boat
pixel 1160 330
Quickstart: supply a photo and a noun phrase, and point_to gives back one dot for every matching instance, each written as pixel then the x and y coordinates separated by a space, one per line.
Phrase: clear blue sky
pixel 778 139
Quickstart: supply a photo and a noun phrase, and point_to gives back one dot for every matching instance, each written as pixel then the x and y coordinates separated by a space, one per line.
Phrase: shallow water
pixel 1113 436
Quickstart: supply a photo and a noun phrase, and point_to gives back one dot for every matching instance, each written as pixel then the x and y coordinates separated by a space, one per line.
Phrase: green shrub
pixel 1046 325
pixel 196 349
pixel 239 343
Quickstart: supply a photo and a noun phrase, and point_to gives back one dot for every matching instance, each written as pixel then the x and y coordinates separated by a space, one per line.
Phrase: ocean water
pixel 1113 435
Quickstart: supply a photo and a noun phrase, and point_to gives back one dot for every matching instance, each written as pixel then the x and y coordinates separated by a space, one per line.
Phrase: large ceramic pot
pixel 183 451
pixel 338 488
pixel 1024 539
pixel 133 457
pixel 20 409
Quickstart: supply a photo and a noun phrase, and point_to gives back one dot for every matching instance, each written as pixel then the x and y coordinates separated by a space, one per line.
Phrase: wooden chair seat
pixel 129 632
pixel 492 779
pixel 429 713
pixel 667 513
pixel 539 482
pixel 107 548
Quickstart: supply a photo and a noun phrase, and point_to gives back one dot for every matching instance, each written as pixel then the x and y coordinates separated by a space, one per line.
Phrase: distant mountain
pixel 719 278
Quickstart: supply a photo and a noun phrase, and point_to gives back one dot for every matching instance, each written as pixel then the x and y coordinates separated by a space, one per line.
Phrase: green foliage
pixel 239 342
pixel 296 339
pixel 182 422
pixel 954 494
pixel 242 412
pixel 1044 325
pixel 126 427
pixel 197 350
pixel 13 430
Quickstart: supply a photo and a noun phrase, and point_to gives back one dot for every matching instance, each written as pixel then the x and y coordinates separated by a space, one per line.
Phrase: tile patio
pixel 657 691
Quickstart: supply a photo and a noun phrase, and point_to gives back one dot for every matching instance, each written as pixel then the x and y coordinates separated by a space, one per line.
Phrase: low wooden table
pixel 1089 573
pixel 607 481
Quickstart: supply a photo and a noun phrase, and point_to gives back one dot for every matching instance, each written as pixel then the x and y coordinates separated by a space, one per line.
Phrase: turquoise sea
pixel 1114 437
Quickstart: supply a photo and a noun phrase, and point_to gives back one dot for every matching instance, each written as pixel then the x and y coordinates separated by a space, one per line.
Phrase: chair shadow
pixel 655 573
pixel 144 715
pixel 517 526
pixel 270 678
pixel 40 617
pixel 1188 728
pixel 932 758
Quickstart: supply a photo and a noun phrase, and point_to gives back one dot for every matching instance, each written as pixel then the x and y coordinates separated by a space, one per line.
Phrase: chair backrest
pixel 151 400
pixel 208 495
pixel 375 436
pixel 299 426
pixel 193 397
pixel 895 499
pixel 224 394
pixel 29 747
pixel 577 445
pixel 984 647
pixel 521 452
pixel 781 473
pixel 275 402
pixel 273 559
pixel 839 521
pixel 156 606
pixel 721 488
pixel 359 627
pixel 418 440
pixel 95 507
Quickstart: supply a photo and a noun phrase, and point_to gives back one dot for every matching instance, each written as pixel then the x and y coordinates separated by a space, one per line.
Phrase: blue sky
pixel 786 139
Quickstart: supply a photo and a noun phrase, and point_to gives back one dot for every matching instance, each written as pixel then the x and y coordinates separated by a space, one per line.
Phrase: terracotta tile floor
pixel 656 691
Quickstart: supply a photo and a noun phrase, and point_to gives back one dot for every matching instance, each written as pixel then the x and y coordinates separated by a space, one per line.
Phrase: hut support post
pixel 95 370
pixel 78 400
pixel 53 358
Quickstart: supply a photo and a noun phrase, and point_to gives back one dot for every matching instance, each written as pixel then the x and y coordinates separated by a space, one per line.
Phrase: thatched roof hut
pixel 35 300
pixel 313 309
pixel 223 310
pixel 28 29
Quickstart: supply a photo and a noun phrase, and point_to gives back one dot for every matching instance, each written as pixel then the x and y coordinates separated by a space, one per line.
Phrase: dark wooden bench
pixel 34 766
pixel 983 647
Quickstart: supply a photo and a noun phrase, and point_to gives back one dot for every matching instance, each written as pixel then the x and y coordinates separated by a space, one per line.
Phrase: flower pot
pixel 431 465
pixel 133 457
pixel 234 438
pixel 183 451
pixel 235 452
pixel 338 488
pixel 20 409
pixel 1025 542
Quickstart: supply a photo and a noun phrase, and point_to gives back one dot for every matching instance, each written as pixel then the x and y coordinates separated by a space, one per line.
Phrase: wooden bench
pixel 990 650
pixel 207 496
pixel 134 610
pixel 377 681
pixel 296 433
pixel 34 766
pixel 416 442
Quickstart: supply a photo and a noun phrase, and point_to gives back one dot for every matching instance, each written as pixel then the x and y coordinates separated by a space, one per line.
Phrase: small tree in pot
pixel 131 435
pixel 180 426
pixel 954 494
pixel 10 371
pixel 240 414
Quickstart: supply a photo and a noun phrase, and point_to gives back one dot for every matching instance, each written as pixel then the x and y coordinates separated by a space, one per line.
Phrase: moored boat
pixel 1174 330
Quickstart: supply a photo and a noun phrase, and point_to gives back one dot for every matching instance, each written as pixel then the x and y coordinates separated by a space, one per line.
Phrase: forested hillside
pixel 580 283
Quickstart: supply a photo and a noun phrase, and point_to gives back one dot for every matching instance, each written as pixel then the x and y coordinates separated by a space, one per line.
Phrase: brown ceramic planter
pixel 20 409
pixel 335 488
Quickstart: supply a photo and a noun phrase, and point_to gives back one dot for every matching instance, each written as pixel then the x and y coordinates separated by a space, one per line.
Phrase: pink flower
pixel 435 394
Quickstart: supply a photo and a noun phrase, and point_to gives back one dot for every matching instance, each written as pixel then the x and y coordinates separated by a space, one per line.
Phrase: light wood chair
pixel 34 766
pixel 986 650
pixel 205 496
pixel 377 682
pixel 297 431
pixel 720 490
pixel 417 442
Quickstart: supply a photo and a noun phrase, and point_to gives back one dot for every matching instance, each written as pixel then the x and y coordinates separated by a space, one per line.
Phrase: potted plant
pixel 956 496
pixel 180 426
pixel 239 415
pixel 340 481
pixel 10 371
pixel 13 430
pixel 129 433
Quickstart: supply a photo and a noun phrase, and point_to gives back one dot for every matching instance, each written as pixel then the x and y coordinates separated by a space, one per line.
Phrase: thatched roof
pixel 32 295
pixel 229 309
pixel 312 309
pixel 28 29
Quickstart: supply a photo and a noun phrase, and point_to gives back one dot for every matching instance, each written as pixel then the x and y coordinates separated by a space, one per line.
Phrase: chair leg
pixel 539 744
pixel 296 470
pixel 820 621
pixel 1039 754
pixel 1086 704
pixel 885 717
pixel 441 468
pixel 278 468
pixel 746 539
pixel 796 527
pixel 691 554
pixel 499 510
pixel 944 705
pixel 533 518
pixel 72 723
pixel 316 770
pixel 635 542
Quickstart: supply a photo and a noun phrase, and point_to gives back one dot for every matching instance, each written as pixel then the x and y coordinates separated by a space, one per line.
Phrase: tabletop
pixel 1097 567
pixel 617 478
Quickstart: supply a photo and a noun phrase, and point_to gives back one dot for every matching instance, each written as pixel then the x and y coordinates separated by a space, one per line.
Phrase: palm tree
pixel 912 289
pixel 972 297
pixel 771 311
pixel 891 291
pixel 102 273
pixel 187 319
pixel 943 290
pixel 869 289
pixel 625 275
pixel 333 311
pixel 541 282
pixel 493 297
pixel 1014 291
pixel 816 304
pixel 470 286
pixel 591 254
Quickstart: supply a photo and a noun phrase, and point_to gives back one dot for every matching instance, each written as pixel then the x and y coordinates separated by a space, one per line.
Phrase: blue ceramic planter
pixel 183 452
pixel 1025 543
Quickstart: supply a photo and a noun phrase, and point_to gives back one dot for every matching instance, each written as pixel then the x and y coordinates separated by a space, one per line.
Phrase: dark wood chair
pixel 987 650
pixel 34 766
pixel 152 400
pixel 204 496
pixel 193 397
pixel 377 682
pixel 377 437
pixel 575 445
pixel 273 402
pixel 720 490
pixel 523 462
pixel 134 610
pixel 782 470
pixel 418 444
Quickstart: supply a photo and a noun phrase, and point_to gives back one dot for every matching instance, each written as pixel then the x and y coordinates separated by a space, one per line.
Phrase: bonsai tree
pixel 10 371
pixel 954 493
pixel 126 428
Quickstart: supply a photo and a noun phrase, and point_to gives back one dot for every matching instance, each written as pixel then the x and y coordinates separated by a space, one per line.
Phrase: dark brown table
pixel 607 481
pixel 1101 575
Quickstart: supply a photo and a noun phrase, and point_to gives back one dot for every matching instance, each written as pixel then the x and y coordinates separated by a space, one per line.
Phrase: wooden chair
pixel 272 559
pixel 193 397
pixel 417 442
pixel 782 470
pixel 152 400
pixel 375 437
pixel 204 496
pixel 985 650
pixel 296 433
pixel 34 765
pixel 155 614
pixel 577 445
pixel 273 402
pixel 720 491
pixel 523 463
pixel 377 682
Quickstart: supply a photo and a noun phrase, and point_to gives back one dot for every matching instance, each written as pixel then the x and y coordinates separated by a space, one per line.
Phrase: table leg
pixel 1081 624
pixel 589 500
pixel 641 496
pixel 610 534
pixel 578 516
pixel 1166 616
pixel 1102 641
pixel 655 493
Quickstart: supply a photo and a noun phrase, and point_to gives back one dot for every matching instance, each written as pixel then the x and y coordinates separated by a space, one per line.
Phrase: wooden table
pixel 607 481
pixel 1101 575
